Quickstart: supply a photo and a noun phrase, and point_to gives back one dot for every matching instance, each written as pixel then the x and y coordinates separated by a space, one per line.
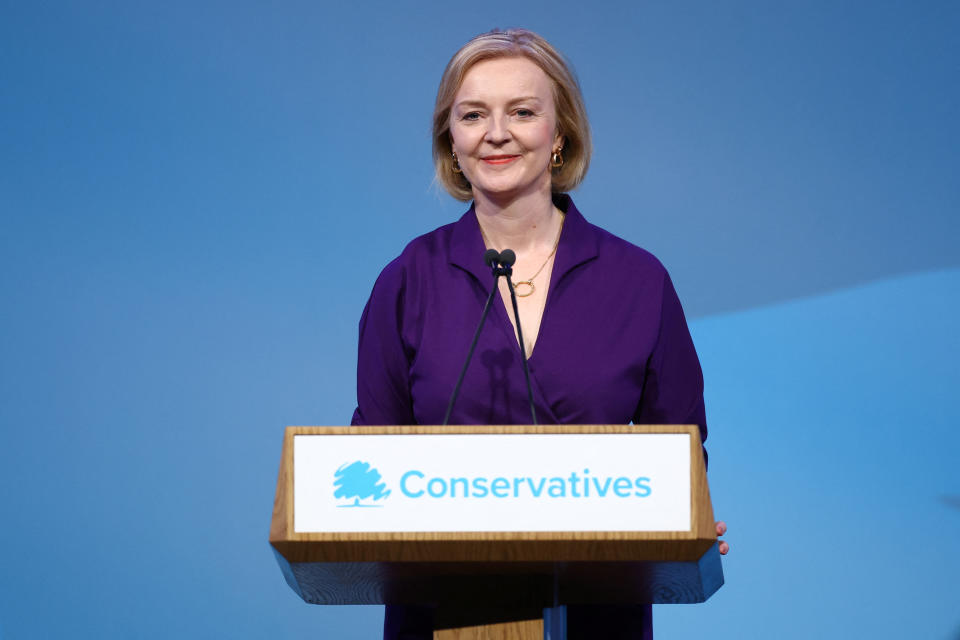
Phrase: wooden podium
pixel 493 584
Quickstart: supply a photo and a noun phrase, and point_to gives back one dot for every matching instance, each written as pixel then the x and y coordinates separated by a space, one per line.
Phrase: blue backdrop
pixel 197 197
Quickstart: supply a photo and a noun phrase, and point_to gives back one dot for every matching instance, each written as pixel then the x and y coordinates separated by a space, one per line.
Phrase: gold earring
pixel 456 162
pixel 556 160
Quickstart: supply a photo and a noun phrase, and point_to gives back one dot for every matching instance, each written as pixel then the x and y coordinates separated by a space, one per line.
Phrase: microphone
pixel 492 258
pixel 507 258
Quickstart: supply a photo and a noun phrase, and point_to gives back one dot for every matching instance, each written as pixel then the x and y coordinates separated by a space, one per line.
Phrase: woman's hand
pixel 723 547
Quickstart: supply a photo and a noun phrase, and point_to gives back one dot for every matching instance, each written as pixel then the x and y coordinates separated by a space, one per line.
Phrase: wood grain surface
pixel 524 630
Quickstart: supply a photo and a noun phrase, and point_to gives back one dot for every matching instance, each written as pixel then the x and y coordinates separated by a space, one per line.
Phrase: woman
pixel 602 326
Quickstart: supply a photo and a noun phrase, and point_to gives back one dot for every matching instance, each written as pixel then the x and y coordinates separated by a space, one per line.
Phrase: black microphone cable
pixel 507 258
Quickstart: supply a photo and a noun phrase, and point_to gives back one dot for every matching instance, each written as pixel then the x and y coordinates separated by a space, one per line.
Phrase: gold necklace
pixel 529 281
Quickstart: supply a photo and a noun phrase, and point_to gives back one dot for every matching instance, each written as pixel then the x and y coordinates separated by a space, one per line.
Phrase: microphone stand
pixel 492 258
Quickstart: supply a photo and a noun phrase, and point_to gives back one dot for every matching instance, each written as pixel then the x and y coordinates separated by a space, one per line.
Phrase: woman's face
pixel 503 127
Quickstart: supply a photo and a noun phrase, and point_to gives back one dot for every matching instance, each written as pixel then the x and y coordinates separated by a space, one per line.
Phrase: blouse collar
pixel 579 243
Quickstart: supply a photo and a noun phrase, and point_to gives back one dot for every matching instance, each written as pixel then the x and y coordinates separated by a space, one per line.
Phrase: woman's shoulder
pixel 610 249
pixel 619 260
pixel 614 251
pixel 429 246
pixel 626 252
pixel 639 275
pixel 424 253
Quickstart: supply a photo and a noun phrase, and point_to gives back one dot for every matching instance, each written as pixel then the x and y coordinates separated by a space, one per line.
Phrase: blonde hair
pixel 572 121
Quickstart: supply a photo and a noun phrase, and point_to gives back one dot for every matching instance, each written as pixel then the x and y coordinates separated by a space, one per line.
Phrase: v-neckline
pixel 507 307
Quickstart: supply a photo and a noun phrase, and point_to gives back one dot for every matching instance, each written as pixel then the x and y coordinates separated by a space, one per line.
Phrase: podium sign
pixel 495 523
pixel 492 482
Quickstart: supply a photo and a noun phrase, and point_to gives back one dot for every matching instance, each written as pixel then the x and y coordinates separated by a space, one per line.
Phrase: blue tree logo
pixel 358 480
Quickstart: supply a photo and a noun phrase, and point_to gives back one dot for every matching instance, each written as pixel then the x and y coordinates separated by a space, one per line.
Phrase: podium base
pixel 456 588
pixel 523 630
pixel 588 622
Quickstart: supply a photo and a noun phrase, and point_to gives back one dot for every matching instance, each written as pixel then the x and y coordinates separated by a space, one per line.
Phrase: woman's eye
pixel 473 115
pixel 524 113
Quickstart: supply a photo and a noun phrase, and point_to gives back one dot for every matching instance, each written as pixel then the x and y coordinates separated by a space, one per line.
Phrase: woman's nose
pixel 498 131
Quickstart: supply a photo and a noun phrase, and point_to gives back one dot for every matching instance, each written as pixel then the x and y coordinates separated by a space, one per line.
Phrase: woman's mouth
pixel 502 159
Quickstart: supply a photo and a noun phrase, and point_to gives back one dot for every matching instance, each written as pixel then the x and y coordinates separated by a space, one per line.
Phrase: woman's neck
pixel 524 224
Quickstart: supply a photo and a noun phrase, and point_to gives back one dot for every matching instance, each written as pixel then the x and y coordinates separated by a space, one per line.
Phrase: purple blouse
pixel 613 348
pixel 613 345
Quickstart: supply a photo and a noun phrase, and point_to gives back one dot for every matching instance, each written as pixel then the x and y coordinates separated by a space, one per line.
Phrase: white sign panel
pixel 492 482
